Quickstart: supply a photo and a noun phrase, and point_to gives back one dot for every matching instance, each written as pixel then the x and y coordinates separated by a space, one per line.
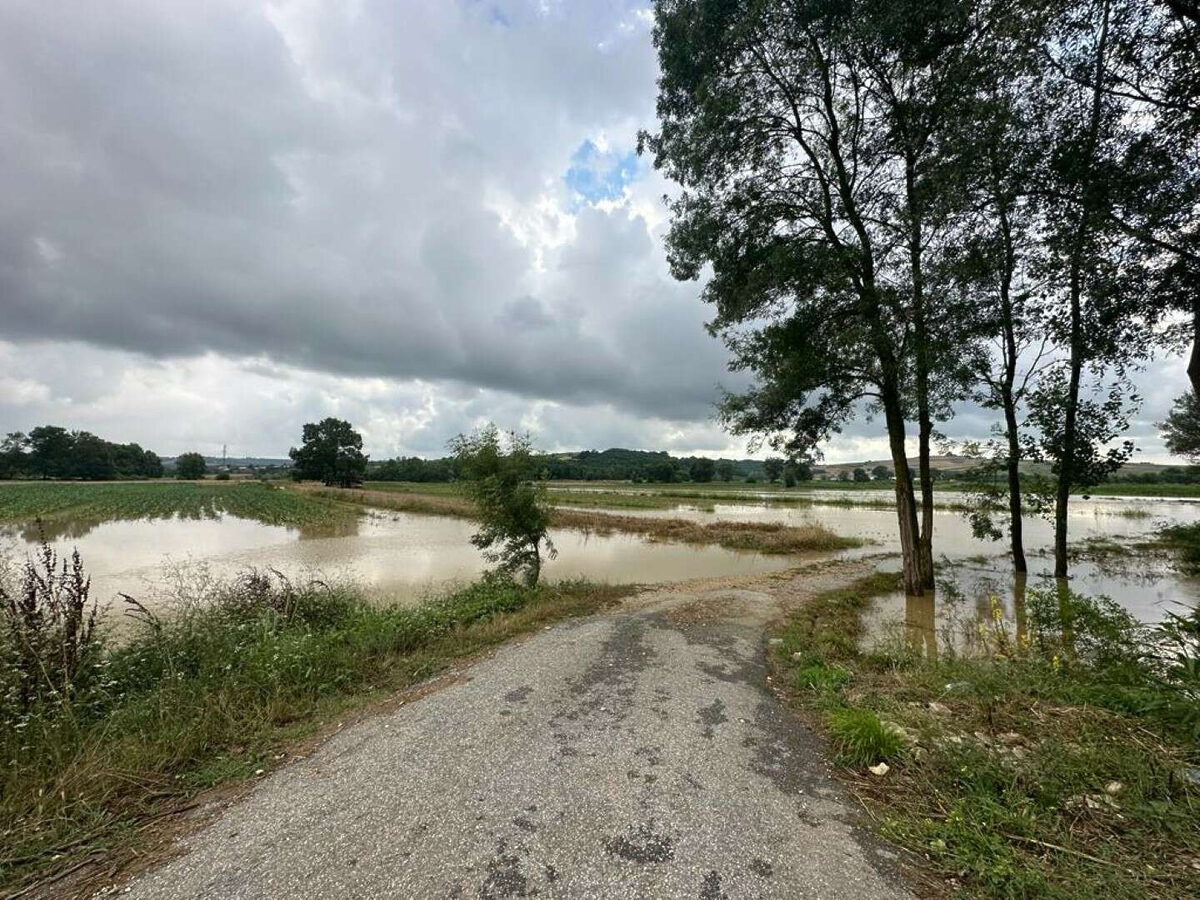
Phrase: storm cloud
pixel 221 219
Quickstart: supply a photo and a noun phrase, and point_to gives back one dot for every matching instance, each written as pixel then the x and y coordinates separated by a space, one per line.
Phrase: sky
pixel 223 220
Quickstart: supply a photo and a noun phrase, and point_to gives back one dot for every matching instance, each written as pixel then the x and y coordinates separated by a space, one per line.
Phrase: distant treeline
pixel 1167 475
pixel 592 465
pixel 49 451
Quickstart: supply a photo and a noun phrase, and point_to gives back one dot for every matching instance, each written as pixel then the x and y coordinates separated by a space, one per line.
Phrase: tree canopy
pixel 905 203
pixel 50 451
pixel 331 453
pixel 502 478
pixel 190 465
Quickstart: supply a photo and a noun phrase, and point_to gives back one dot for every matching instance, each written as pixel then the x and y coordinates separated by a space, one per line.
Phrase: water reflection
pixel 978 607
pixel 398 557
pixel 920 625
pixel 1020 614
pixel 76 528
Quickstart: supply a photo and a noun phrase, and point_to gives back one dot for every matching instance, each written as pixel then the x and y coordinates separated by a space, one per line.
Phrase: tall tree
pixel 190 465
pixel 1155 77
pixel 1181 430
pixel 13 454
pixel 702 469
pixel 997 148
pixel 773 468
pixel 331 453
pixel 91 457
pixel 805 138
pixel 1093 268
pixel 50 450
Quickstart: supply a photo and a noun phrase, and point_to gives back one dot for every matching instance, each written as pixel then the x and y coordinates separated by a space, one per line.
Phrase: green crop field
pixel 25 501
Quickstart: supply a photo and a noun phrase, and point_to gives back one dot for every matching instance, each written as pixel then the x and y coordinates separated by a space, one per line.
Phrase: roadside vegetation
pixel 101 740
pixel 26 501
pixel 1060 762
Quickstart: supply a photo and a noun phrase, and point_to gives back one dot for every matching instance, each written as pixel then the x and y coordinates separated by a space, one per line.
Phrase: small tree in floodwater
pixel 506 488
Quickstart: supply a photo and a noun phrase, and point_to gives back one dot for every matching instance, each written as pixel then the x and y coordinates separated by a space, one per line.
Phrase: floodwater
pixel 398 557
pixel 402 557
pixel 974 573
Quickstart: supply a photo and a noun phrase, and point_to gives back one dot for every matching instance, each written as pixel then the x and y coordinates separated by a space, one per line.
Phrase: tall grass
pixel 215 690
pixel 1058 763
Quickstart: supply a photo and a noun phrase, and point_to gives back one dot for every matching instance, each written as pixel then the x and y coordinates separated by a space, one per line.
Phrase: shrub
pixel 510 497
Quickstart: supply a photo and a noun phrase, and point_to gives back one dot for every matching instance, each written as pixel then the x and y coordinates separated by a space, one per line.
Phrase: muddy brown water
pixel 975 576
pixel 398 557
pixel 403 557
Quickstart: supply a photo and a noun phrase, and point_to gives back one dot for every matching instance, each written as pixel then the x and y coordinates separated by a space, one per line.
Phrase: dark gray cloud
pixel 324 184
pixel 221 219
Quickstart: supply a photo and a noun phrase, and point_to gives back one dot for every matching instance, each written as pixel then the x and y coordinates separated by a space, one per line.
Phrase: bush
pixel 509 494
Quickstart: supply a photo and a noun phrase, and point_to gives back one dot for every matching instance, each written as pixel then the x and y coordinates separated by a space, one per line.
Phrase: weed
pixel 242 668
pixel 49 626
pixel 1053 766
pixel 861 738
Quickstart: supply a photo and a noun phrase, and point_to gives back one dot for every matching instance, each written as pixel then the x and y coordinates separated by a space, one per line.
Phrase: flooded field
pixel 973 573
pixel 402 557
pixel 397 556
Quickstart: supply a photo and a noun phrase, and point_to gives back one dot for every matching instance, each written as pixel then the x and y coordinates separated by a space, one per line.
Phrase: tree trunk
pixel 1015 526
pixel 535 566
pixel 1066 466
pixel 1066 462
pixel 906 511
pixel 922 366
pixel 1193 368
pixel 1008 400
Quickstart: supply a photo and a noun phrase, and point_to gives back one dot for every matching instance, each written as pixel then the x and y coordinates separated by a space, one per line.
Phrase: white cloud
pixel 223 220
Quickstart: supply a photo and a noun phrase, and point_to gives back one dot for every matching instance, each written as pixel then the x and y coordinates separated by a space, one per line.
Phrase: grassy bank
pixel 761 537
pixel 1062 764
pixel 96 501
pixel 214 694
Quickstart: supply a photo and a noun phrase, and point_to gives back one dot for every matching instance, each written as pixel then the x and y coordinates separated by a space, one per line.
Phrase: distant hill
pixel 614 464
pixel 619 464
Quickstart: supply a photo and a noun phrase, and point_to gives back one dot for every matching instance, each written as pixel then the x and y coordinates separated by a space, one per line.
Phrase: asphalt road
pixel 633 754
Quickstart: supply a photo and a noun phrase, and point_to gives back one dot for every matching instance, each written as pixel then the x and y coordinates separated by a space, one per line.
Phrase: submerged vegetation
pixel 23 502
pixel 215 691
pixel 1063 761
pixel 760 537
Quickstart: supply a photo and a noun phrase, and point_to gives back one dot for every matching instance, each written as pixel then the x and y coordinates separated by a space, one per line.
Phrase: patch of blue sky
pixel 596 175
pixel 492 11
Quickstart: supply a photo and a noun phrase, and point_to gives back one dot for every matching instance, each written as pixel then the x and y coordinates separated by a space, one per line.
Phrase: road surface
pixel 638 753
